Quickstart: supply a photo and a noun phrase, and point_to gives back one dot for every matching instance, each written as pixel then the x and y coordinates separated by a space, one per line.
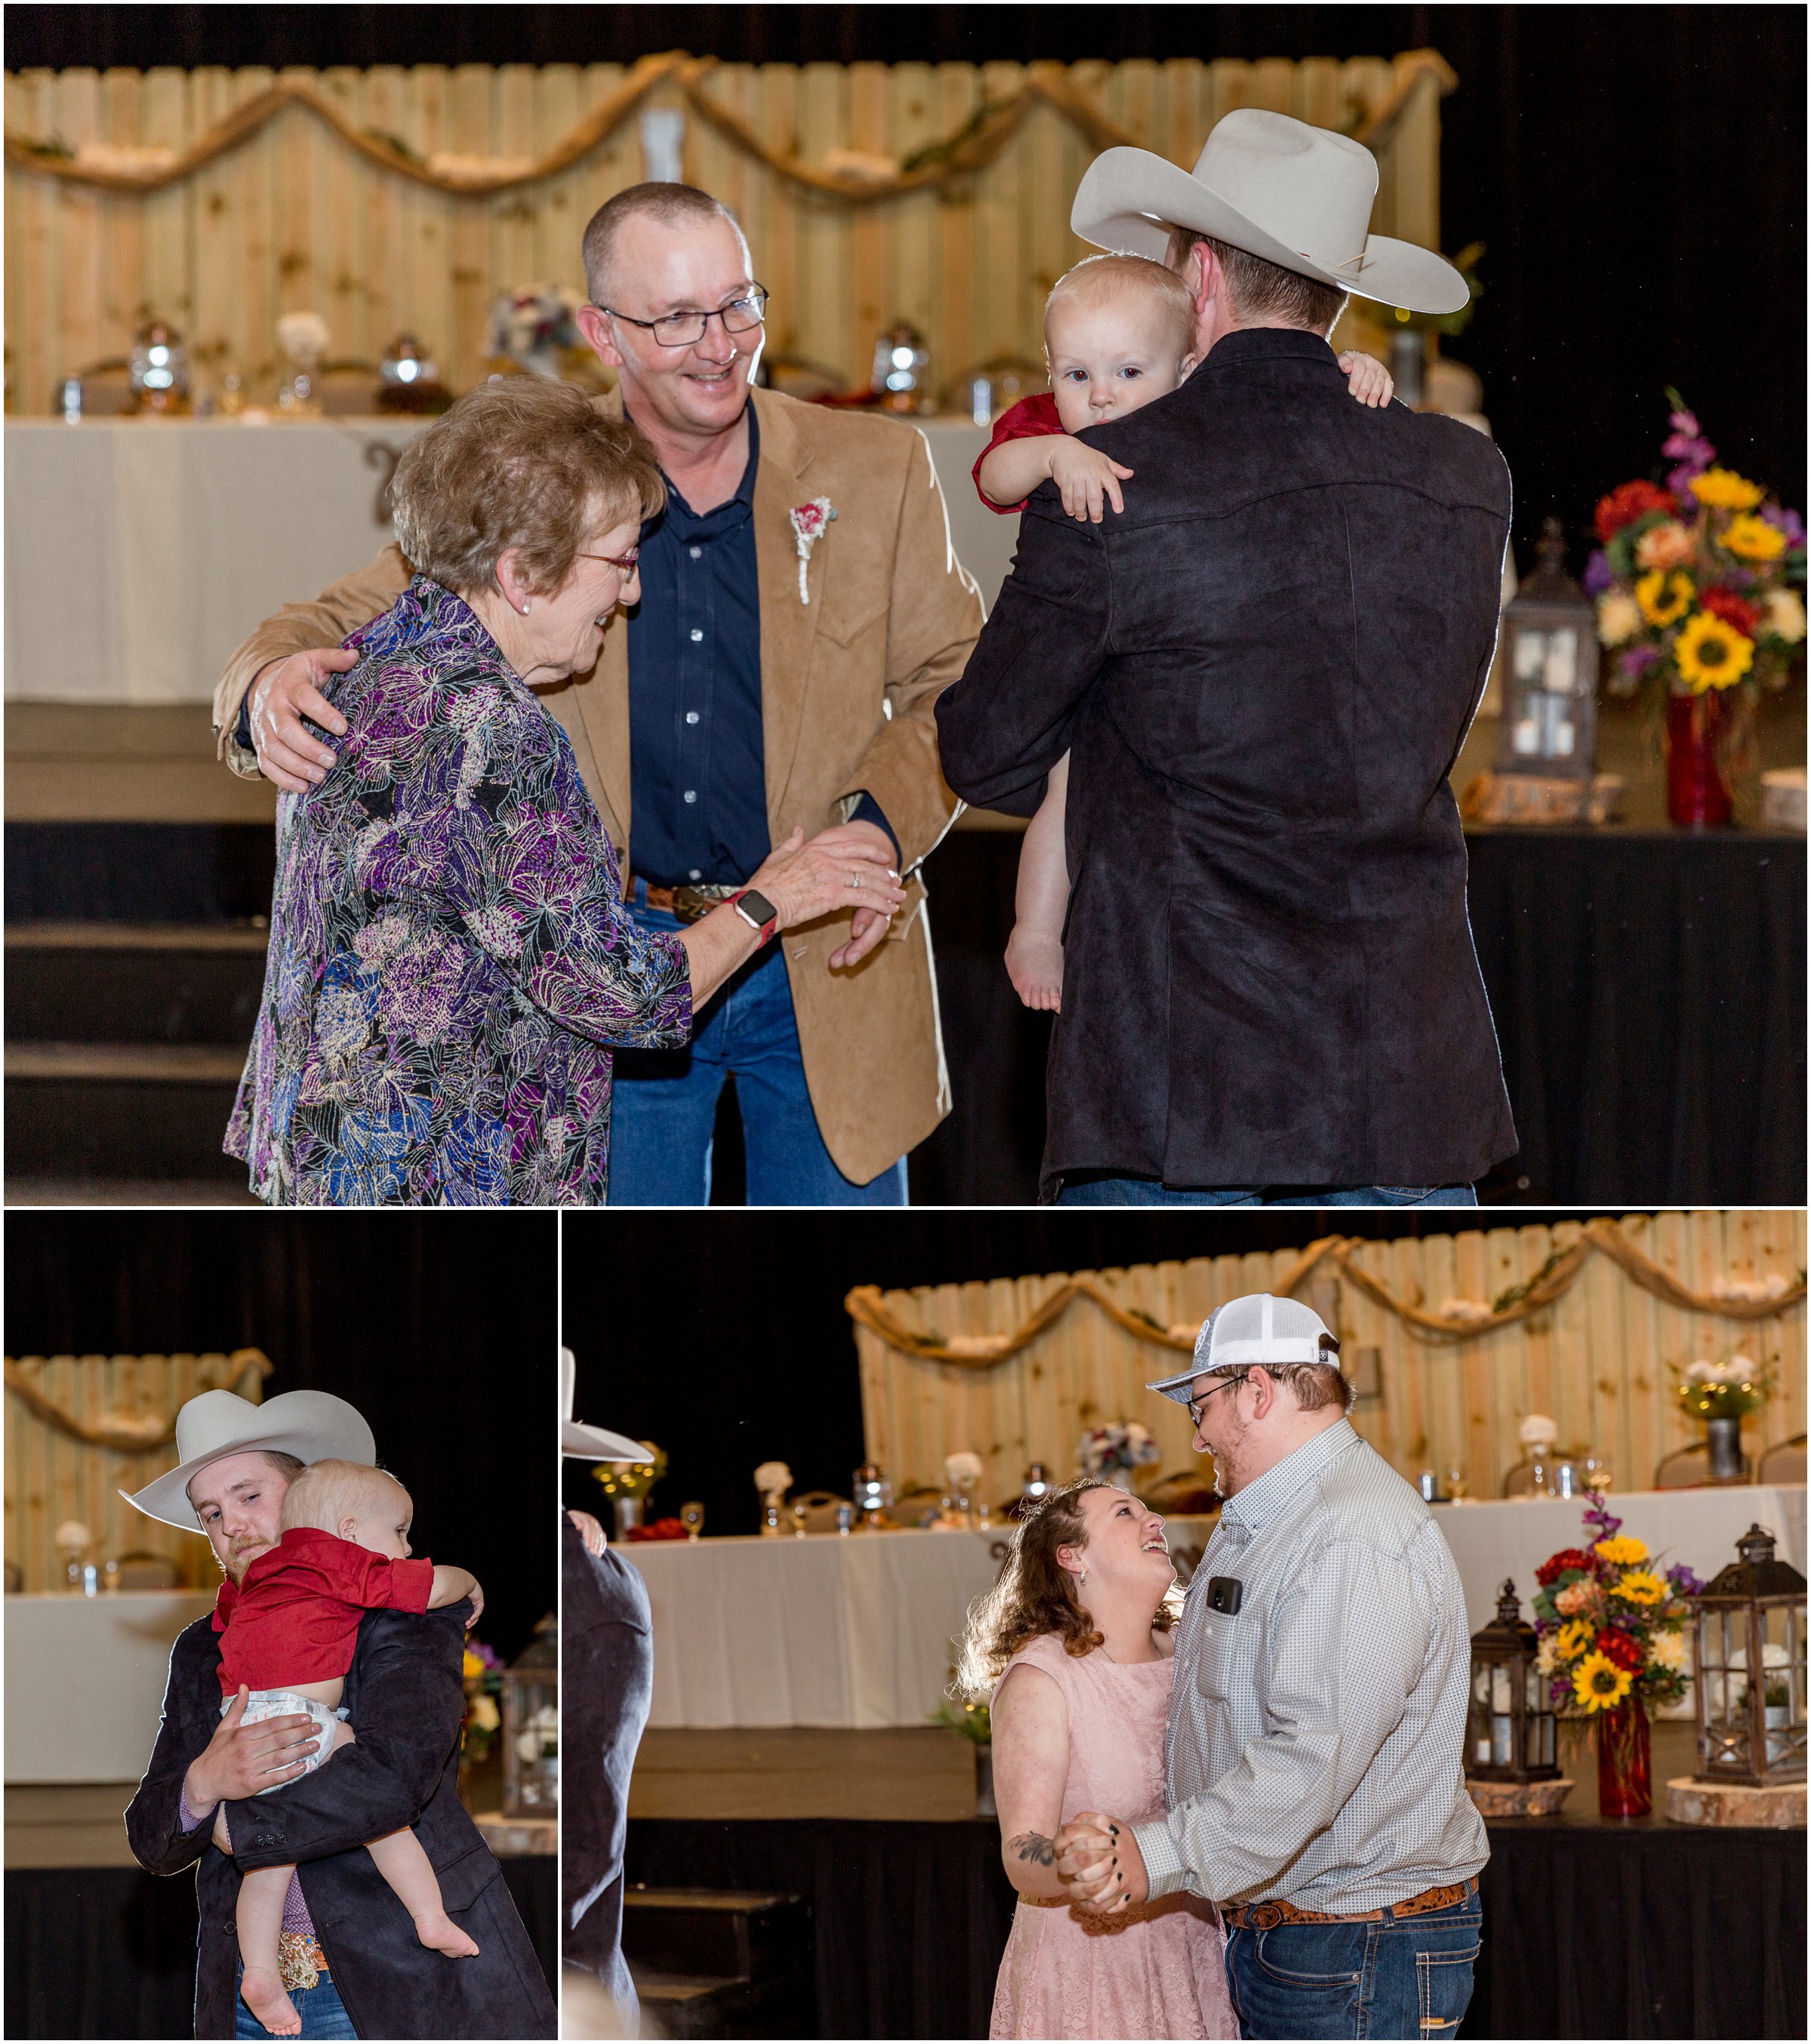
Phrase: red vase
pixel 1697 795
pixel 1624 1787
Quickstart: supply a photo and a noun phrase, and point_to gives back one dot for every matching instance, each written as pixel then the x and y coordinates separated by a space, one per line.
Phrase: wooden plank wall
pixel 50 1476
pixel 294 220
pixel 1602 1363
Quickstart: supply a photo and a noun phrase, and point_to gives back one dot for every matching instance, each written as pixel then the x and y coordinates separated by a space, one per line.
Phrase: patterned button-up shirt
pixel 1315 1751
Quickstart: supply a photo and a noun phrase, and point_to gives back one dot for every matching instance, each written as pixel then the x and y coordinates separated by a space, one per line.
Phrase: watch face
pixel 759 908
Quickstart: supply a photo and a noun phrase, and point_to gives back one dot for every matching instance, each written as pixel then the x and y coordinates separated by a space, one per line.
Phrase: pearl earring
pixel 524 610
pixel 1082 1577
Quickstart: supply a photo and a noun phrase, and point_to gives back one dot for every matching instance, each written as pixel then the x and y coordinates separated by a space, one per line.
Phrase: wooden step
pixel 120 1111
pixel 714 1932
pixel 112 983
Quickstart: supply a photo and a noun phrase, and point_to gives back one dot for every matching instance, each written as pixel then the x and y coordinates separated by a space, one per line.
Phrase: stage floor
pixel 894 1777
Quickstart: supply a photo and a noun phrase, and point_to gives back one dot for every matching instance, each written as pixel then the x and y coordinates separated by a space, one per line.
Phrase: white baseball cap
pixel 1257 1328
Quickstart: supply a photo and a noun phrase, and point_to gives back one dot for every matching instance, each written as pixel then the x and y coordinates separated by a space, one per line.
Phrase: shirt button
pixel 691 716
pixel 691 794
pixel 695 551
pixel 697 873
pixel 696 635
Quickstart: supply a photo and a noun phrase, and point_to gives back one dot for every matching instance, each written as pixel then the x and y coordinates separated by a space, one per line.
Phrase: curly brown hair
pixel 1035 1595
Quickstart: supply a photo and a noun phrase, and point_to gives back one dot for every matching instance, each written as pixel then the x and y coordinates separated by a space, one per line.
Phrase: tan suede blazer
pixel 848 681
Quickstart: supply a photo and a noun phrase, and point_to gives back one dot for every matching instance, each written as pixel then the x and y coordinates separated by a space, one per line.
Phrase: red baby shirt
pixel 295 1617
pixel 1031 418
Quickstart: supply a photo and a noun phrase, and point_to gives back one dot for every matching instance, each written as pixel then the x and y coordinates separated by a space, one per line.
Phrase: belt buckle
pixel 300 1960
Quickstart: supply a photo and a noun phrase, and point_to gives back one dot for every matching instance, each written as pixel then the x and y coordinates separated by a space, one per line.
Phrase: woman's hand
pixel 1367 379
pixel 844 868
pixel 590 1531
pixel 1088 479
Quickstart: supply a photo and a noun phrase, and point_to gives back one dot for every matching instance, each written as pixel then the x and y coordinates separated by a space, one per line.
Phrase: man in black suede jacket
pixel 406 1697
pixel 1262 670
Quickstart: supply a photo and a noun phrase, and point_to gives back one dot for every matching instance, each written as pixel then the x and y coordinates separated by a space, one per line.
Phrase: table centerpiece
pixel 1612 1631
pixel 1719 1394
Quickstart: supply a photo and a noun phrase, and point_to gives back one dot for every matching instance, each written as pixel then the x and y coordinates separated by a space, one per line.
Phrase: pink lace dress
pixel 1154 1971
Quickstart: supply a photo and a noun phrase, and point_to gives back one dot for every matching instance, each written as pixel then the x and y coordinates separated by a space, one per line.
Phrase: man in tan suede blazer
pixel 849 663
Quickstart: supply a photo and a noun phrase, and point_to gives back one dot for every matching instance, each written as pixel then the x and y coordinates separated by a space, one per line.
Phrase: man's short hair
pixel 671 205
pixel 1314 1386
pixel 1264 290
pixel 287 1466
pixel 330 1490
pixel 1098 279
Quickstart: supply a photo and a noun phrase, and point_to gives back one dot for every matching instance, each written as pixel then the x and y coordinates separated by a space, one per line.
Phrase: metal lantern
pixel 158 369
pixel 874 1495
pixel 1549 641
pixel 531 1726
pixel 1511 1733
pixel 1752 1615
pixel 902 365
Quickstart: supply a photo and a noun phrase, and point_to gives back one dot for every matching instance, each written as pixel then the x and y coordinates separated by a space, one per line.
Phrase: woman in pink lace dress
pixel 1073 1645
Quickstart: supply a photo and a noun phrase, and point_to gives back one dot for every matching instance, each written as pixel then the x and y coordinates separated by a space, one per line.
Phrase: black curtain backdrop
pixel 1637 176
pixel 439 1327
pixel 729 1346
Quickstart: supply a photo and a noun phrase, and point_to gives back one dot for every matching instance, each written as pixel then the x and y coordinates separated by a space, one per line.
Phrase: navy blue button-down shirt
pixel 698 772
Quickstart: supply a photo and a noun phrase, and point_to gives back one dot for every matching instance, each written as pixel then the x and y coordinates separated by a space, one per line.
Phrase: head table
pixel 152 547
pixel 857 1632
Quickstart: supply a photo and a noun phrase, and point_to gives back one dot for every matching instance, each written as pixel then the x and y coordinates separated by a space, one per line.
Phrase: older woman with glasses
pixel 450 961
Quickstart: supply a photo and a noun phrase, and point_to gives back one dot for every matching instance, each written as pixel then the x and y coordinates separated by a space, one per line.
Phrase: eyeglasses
pixel 741 315
pixel 1197 1406
pixel 623 563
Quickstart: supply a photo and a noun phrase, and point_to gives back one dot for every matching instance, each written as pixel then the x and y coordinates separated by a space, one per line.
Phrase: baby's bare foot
pixel 1034 963
pixel 438 1932
pixel 262 1993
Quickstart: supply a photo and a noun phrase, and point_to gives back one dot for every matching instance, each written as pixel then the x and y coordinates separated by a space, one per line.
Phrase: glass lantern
pixel 1550 640
pixel 158 369
pixel 1752 1616
pixel 531 1726
pixel 1511 1733
pixel 901 369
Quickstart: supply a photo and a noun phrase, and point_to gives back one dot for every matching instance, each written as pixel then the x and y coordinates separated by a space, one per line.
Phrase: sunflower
pixel 1640 1586
pixel 1724 490
pixel 1574 1638
pixel 1751 539
pixel 1621 1550
pixel 1709 654
pixel 1664 598
pixel 1599 1684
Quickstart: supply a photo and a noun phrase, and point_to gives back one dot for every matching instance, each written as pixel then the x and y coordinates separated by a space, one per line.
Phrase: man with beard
pixel 350 1957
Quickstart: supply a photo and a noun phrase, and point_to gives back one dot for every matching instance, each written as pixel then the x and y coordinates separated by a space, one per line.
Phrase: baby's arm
pixel 1367 379
pixel 1010 472
pixel 1034 954
pixel 450 1585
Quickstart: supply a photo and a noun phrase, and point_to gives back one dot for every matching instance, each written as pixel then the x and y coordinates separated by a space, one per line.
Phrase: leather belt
pixel 689 904
pixel 1267 1915
pixel 300 1962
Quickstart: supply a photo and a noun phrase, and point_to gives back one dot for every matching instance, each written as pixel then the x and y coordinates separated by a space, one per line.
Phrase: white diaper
pixel 285 1702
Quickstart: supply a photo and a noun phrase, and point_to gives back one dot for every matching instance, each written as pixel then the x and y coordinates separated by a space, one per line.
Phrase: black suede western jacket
pixel 1263 671
pixel 406 1698
pixel 606 1685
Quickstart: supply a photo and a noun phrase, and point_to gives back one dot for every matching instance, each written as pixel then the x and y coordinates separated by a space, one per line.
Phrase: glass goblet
pixel 691 1517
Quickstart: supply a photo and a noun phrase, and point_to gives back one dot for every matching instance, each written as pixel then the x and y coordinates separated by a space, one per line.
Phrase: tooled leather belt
pixel 689 904
pixel 1267 1915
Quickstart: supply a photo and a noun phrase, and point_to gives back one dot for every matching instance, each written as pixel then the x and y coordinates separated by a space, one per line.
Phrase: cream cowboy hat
pixel 590 1444
pixel 311 1425
pixel 1299 197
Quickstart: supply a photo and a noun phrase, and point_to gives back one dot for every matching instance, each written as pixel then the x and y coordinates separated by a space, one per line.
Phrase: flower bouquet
pixel 483 1677
pixel 1719 1393
pixel 627 1484
pixel 1699 585
pixel 1612 1630
pixel 1111 1452
pixel 535 329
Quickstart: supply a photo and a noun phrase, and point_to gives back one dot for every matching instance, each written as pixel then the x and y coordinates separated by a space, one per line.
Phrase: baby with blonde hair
pixel 288 1631
pixel 1118 331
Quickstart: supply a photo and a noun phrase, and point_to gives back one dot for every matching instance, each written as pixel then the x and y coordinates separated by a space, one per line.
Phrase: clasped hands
pixel 1099 1865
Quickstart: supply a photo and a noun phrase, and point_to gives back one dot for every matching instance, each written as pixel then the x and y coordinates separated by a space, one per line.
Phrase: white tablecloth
pixel 85 1681
pixel 855 1632
pixel 140 552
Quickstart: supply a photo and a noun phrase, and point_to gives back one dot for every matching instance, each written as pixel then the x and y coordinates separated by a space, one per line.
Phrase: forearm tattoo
pixel 1033 1846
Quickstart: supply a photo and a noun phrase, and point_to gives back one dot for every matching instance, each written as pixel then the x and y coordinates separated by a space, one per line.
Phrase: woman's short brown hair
pixel 520 462
pixel 1035 1595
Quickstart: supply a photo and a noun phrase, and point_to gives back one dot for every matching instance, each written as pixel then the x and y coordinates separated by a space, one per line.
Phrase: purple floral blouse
pixel 450 958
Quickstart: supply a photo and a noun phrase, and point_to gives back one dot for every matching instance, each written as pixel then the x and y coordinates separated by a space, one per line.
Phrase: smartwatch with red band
pixel 756 911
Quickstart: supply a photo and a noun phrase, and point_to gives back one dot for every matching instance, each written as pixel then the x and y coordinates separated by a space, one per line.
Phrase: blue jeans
pixel 1410 1977
pixel 1149 1193
pixel 323 2013
pixel 664 1103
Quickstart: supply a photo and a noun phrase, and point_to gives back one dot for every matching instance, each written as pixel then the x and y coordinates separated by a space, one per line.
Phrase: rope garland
pixel 1555 1278
pixel 130 1436
pixel 969 148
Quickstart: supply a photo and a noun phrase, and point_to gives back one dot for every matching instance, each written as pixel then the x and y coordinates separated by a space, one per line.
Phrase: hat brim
pixel 311 1425
pixel 598 1444
pixel 1128 199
